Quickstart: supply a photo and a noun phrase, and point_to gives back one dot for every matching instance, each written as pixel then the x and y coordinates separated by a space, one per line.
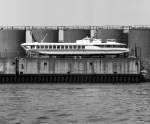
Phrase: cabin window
pixel 46 47
pixel 70 47
pixel 74 47
pixel 58 47
pixel 54 47
pixel 66 47
pixel 42 47
pixel 122 46
pixel 116 46
pixel 83 47
pixel 32 47
pixel 79 47
pixel 37 47
pixel 62 47
pixel 50 47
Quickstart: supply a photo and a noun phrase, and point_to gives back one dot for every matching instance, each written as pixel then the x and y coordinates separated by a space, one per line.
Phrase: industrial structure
pixel 45 35
pixel 11 37
pixel 10 40
pixel 14 60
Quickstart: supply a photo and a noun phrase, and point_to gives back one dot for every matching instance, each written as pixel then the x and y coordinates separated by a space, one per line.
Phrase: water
pixel 75 103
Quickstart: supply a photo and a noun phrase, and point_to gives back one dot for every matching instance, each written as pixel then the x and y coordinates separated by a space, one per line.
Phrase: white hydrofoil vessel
pixel 86 46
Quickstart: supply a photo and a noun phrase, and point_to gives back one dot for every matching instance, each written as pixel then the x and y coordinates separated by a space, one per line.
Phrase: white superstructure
pixel 86 46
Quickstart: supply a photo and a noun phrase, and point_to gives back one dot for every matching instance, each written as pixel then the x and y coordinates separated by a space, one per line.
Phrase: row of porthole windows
pixel 57 47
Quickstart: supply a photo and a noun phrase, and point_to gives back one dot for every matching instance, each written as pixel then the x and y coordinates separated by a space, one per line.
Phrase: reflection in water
pixel 74 103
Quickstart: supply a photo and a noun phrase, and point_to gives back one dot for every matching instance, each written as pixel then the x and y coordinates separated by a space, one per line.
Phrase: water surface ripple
pixel 75 103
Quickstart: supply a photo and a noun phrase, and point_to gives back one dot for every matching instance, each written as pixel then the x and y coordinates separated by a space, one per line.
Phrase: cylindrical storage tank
pixel 139 41
pixel 10 40
pixel 45 35
pixel 105 34
pixel 71 35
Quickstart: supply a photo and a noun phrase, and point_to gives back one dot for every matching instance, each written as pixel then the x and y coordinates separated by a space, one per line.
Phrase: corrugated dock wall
pixel 58 70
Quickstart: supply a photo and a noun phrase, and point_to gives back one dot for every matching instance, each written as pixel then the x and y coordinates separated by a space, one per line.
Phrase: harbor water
pixel 75 103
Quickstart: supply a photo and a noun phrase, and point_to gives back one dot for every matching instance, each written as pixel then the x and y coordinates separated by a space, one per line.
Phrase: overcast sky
pixel 74 12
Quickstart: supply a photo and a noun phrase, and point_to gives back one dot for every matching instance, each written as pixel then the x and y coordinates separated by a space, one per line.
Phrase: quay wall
pixel 7 66
pixel 79 66
pixel 70 66
pixel 70 70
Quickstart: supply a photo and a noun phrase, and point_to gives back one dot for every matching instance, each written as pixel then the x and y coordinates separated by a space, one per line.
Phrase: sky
pixel 74 12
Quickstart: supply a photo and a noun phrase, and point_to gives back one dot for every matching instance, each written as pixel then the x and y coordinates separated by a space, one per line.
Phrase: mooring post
pixel 16 69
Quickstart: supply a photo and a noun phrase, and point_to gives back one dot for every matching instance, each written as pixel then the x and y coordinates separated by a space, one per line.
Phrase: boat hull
pixel 81 52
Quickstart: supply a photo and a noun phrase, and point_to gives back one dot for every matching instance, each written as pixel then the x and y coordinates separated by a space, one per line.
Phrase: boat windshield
pixel 86 38
pixel 111 46
pixel 111 40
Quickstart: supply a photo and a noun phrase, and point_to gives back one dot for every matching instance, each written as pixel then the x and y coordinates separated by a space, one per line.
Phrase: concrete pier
pixel 79 66
pixel 70 70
